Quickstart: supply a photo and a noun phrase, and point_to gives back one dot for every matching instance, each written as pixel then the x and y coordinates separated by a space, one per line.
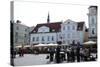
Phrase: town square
pixel 54 42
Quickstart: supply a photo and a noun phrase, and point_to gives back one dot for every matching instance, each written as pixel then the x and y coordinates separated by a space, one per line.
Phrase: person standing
pixel 68 55
pixel 81 54
pixel 72 55
pixel 58 54
pixel 78 52
pixel 51 54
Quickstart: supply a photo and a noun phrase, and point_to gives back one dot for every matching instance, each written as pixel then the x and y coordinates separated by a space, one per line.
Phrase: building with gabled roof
pixel 45 33
pixel 53 32
pixel 73 31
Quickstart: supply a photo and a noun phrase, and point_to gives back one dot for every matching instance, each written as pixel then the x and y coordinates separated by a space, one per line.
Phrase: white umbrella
pixel 27 46
pixel 52 44
pixel 89 43
pixel 40 45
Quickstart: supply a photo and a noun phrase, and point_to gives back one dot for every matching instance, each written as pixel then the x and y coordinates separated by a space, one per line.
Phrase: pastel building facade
pixel 66 32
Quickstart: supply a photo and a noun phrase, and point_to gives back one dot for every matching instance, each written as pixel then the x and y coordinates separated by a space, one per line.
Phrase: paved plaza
pixel 33 59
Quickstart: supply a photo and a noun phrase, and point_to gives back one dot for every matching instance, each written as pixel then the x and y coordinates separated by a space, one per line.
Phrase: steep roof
pixel 56 26
pixel 80 26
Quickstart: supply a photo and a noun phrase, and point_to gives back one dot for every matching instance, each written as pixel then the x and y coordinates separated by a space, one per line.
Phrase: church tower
pixel 92 19
pixel 48 18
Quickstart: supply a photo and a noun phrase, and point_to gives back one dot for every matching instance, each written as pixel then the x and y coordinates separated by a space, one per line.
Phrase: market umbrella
pixel 89 43
pixel 52 44
pixel 40 45
pixel 19 46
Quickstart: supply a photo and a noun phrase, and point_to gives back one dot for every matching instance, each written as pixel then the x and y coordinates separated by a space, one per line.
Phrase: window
pixel 73 27
pixel 16 37
pixel 68 27
pixel 37 39
pixel 25 29
pixel 25 35
pixel 68 22
pixel 16 34
pixel 64 28
pixel 68 35
pixel 52 38
pixel 17 28
pixel 92 20
pixel 48 38
pixel 42 38
pixel 33 39
pixel 93 31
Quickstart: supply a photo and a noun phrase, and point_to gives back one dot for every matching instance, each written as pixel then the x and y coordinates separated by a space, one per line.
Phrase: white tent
pixel 52 44
pixel 40 45
pixel 27 46
pixel 89 43
pixel 19 46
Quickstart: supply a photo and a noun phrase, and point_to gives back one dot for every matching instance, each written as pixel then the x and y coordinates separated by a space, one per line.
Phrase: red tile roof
pixel 53 26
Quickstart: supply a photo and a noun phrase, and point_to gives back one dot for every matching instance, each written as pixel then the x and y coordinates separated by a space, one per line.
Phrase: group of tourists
pixel 70 54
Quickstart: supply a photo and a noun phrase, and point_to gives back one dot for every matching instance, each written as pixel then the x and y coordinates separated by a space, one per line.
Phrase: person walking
pixel 19 52
pixel 78 52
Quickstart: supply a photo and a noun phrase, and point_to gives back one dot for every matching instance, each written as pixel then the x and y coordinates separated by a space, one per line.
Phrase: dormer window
pixel 68 22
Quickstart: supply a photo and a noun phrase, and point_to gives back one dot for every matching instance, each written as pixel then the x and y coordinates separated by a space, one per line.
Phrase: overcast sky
pixel 32 12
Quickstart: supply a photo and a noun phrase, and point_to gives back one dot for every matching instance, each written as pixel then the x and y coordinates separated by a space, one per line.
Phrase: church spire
pixel 48 18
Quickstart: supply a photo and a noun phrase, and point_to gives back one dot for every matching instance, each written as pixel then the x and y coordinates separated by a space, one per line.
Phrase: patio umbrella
pixel 52 44
pixel 19 46
pixel 89 43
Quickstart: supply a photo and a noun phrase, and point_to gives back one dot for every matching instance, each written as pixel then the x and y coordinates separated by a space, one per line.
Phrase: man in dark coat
pixel 78 52
pixel 58 54
pixel 51 54
pixel 72 55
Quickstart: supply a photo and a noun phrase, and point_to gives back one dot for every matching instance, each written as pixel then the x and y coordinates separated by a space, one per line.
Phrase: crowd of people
pixel 70 54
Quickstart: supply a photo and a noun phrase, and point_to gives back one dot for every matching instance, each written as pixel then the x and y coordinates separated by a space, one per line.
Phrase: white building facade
pixel 45 33
pixel 72 31
pixel 66 32
pixel 92 19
